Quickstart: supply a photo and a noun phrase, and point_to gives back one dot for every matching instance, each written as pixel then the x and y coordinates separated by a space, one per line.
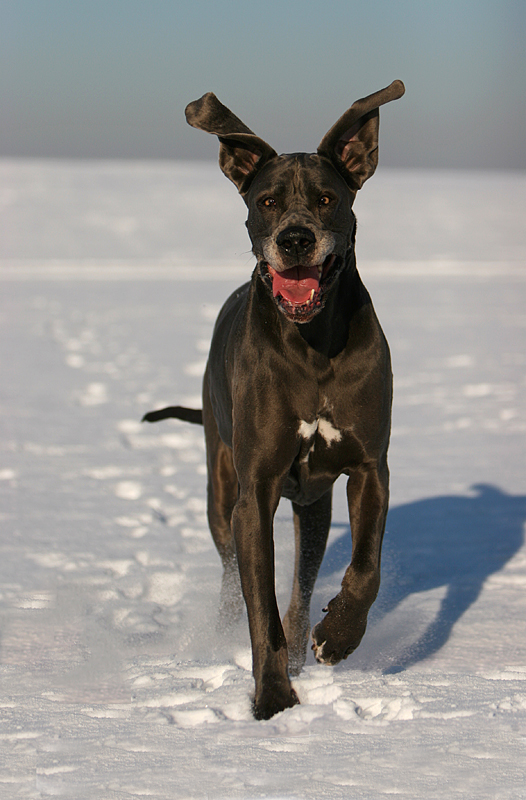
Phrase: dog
pixel 297 391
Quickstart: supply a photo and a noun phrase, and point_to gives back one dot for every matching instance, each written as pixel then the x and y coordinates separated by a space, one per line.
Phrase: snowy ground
pixel 113 680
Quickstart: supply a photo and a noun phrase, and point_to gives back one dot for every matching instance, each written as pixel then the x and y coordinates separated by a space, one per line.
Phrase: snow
pixel 114 682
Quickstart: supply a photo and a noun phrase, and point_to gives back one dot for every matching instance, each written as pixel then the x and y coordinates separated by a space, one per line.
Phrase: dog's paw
pixel 325 651
pixel 339 634
pixel 270 704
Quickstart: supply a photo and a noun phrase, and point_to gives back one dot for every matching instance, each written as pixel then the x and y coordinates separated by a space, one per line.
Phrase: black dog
pixel 297 391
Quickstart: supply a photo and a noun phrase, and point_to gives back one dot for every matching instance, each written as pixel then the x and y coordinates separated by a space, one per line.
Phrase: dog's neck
pixel 328 331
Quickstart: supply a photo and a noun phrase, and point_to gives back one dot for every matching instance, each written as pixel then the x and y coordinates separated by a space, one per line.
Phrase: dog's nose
pixel 296 241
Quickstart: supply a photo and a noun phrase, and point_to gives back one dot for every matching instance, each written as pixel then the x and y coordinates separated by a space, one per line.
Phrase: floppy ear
pixel 352 143
pixel 242 153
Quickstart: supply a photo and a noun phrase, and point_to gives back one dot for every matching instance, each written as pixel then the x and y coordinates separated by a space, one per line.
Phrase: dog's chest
pixel 324 448
pixel 323 455
pixel 321 430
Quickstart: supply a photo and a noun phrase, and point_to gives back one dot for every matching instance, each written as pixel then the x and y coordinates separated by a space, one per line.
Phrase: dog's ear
pixel 242 153
pixel 352 143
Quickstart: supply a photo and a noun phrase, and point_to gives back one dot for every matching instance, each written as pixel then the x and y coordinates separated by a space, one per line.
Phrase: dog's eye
pixel 324 200
pixel 268 202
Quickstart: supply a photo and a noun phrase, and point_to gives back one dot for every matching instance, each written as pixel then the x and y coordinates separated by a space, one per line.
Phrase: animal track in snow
pixel 128 490
pixel 386 709
pixel 94 394
pixel 166 588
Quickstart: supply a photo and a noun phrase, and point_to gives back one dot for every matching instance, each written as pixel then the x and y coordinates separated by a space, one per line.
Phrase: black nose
pixel 296 241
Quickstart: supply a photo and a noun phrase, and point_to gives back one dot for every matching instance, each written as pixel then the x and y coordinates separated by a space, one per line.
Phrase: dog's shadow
pixel 437 555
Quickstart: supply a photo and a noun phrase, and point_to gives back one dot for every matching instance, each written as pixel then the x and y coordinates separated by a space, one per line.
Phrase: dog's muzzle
pixel 299 291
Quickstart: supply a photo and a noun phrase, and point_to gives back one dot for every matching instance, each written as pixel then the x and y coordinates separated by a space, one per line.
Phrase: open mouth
pixel 299 290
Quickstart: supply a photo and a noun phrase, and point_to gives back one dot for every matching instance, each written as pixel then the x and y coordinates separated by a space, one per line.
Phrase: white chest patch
pixel 307 429
pixel 328 432
pixel 326 429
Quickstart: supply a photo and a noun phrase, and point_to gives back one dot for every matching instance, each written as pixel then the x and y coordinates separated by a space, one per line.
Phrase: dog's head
pixel 300 217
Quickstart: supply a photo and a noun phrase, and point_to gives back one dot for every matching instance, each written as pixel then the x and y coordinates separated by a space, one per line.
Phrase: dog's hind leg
pixel 222 491
pixel 311 529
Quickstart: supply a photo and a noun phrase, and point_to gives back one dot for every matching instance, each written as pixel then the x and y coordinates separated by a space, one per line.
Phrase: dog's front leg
pixel 252 524
pixel 344 626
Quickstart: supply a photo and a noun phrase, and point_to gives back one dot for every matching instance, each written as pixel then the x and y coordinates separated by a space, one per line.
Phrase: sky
pixel 111 78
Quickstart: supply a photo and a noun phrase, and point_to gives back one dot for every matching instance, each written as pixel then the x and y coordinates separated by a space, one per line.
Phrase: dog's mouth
pixel 299 291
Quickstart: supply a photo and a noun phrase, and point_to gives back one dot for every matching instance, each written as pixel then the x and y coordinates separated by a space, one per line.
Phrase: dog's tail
pixel 194 415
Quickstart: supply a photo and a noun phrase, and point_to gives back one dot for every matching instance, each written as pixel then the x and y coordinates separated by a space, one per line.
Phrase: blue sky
pixel 111 78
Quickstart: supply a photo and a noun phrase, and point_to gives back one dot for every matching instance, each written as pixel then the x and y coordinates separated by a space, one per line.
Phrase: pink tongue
pixel 296 284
